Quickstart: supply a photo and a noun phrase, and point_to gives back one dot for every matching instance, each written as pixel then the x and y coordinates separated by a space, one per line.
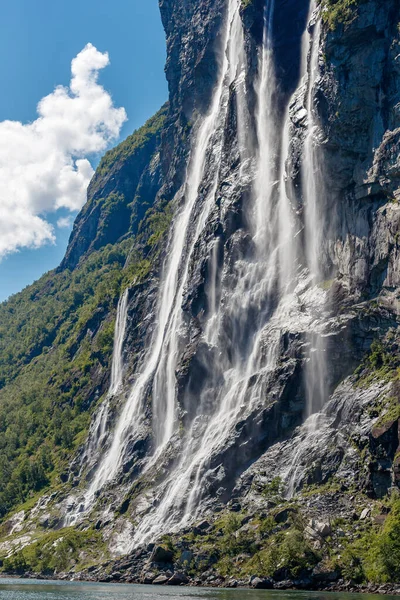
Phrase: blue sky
pixel 38 41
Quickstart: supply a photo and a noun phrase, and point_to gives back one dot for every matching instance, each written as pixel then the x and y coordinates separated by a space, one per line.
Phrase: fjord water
pixel 38 590
pixel 250 300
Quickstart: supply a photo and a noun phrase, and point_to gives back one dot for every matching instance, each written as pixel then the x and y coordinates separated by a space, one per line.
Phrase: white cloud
pixel 65 222
pixel 44 164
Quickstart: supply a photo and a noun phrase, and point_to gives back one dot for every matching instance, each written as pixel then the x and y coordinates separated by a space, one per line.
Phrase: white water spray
pixel 239 381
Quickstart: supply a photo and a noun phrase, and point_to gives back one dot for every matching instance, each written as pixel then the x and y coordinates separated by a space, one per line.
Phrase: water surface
pixel 20 589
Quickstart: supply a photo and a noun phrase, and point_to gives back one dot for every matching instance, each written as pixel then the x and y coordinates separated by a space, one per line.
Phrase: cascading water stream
pixel 98 430
pixel 264 223
pixel 314 193
pixel 316 372
pixel 117 368
pixel 159 363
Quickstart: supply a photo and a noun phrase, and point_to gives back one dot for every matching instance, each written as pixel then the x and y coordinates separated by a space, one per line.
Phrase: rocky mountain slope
pixel 236 412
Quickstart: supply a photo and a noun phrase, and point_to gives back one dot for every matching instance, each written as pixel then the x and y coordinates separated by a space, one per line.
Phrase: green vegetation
pixel 335 12
pixel 375 556
pixel 137 140
pixel 288 552
pixel 56 552
pixel 389 411
pixel 381 363
pixel 55 345
pixel 274 490
pixel 239 546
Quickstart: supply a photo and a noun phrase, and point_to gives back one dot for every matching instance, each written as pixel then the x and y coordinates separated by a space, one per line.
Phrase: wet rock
pixel 302 584
pixel 44 520
pixel 286 584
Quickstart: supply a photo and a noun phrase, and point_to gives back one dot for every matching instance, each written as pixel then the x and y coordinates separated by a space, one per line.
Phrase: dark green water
pixel 15 589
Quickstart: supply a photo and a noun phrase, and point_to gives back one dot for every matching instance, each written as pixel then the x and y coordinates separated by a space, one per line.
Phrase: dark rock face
pixel 360 88
pixel 124 187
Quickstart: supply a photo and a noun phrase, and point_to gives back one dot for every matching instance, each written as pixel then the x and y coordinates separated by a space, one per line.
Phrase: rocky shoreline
pixel 181 579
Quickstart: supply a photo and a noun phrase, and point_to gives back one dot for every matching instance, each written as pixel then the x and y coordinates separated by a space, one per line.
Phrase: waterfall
pixel 251 306
pixel 314 194
pixel 264 225
pixel 313 191
pixel 117 366
pixel 98 430
pixel 251 301
pixel 160 360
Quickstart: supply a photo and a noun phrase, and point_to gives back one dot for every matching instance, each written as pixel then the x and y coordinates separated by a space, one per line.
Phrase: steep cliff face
pixel 124 186
pixel 258 339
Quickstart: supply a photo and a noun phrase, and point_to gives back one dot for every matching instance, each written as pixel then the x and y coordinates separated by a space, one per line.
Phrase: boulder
pixel 318 529
pixel 261 583
pixel 148 578
pixel 178 578
pixel 161 555
pixel 321 573
pixel 160 580
pixel 324 529
pixel 365 514
pixel 203 525
pixel 281 516
pixel 283 585
pixel 202 528
pixel 186 557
